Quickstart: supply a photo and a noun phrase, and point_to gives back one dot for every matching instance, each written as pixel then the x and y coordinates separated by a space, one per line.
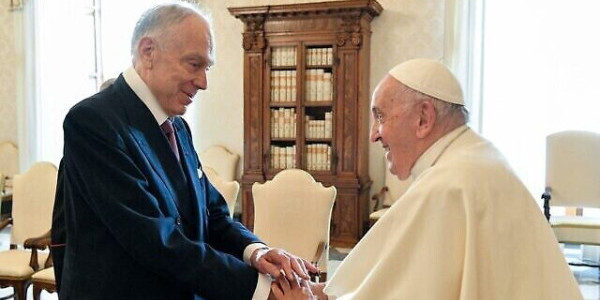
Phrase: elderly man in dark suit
pixel 140 220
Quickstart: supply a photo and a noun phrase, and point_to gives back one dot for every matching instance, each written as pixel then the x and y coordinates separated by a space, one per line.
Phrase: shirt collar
pixel 431 155
pixel 140 88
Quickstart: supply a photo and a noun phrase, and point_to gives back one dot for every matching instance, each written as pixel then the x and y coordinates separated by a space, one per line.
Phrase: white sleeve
pixel 263 285
pixel 250 249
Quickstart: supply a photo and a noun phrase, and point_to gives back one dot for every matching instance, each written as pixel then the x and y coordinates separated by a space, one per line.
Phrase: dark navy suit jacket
pixel 137 223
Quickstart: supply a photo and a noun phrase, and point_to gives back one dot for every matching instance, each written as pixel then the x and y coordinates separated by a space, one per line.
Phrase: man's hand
pixel 317 290
pixel 277 262
pixel 295 289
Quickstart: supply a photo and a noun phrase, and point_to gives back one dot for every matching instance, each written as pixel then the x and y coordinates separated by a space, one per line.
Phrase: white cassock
pixel 466 229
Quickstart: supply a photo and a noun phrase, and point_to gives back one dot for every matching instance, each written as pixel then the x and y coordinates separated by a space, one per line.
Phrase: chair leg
pixel 20 290
pixel 36 292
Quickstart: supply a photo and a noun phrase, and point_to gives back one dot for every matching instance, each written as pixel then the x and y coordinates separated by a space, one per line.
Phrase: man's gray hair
pixel 155 21
pixel 444 109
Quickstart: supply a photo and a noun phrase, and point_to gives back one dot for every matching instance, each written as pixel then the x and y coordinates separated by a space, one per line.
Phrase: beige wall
pixel 406 29
pixel 8 74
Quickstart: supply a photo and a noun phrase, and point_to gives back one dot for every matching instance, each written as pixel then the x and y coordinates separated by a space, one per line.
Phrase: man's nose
pixel 200 81
pixel 374 135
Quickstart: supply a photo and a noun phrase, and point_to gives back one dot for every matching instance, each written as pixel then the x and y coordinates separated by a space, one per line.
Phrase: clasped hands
pixel 291 274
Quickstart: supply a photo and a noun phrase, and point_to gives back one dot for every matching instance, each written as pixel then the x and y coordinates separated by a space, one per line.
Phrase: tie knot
pixel 167 127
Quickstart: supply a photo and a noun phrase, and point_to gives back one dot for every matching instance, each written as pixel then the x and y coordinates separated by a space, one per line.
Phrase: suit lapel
pixel 155 146
pixel 153 143
pixel 189 163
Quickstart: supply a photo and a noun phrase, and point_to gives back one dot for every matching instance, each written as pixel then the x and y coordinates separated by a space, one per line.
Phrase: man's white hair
pixel 155 21
pixel 444 110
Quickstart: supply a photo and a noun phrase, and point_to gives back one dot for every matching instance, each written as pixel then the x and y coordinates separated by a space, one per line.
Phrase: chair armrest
pixel 6 222
pixel 321 248
pixel 38 243
pixel 319 253
pixel 378 198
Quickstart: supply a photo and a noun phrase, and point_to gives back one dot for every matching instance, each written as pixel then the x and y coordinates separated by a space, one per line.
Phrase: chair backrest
pixel 396 187
pixel 33 198
pixel 229 189
pixel 573 168
pixel 221 160
pixel 2 179
pixel 293 212
pixel 9 159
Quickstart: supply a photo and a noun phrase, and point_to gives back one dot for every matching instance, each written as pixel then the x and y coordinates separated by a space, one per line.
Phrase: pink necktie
pixel 169 130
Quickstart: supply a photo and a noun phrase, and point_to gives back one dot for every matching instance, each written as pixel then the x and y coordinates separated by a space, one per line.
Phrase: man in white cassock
pixel 467 228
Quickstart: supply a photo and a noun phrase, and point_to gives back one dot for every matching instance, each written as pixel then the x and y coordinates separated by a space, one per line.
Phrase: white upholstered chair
pixel 393 189
pixel 229 189
pixel 293 212
pixel 33 197
pixel 573 180
pixel 221 160
pixel 43 280
pixel 2 180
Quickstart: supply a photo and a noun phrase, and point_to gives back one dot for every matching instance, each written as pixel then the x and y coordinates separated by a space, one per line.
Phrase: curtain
pixel 463 37
pixel 27 92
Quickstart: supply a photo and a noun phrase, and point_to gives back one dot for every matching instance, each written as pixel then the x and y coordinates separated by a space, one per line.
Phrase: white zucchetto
pixel 429 77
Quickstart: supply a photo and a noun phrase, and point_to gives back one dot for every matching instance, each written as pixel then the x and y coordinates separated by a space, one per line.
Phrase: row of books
pixel 319 56
pixel 319 128
pixel 287 56
pixel 283 123
pixel 319 85
pixel 283 86
pixel 318 157
pixel 284 56
pixel 283 157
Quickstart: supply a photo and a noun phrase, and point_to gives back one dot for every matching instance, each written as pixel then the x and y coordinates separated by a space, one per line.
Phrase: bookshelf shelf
pixel 282 104
pixel 319 140
pixel 306 105
pixel 325 67
pixel 276 139
pixel 284 68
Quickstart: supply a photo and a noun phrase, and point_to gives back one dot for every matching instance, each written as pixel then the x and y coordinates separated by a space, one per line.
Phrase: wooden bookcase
pixel 306 97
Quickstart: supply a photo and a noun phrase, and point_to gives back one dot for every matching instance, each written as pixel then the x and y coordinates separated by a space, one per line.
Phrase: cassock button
pixel 178 220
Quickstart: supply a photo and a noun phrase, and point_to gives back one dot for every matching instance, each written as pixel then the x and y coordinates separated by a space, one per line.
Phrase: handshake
pixel 291 274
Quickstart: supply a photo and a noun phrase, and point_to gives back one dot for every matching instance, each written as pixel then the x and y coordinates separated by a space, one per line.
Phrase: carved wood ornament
pixel 350 32
pixel 254 36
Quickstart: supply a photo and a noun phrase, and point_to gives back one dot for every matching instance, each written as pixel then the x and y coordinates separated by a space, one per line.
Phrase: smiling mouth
pixel 386 148
pixel 188 97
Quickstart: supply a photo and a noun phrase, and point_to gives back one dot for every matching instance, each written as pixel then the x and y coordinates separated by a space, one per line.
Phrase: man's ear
pixel 146 50
pixel 427 118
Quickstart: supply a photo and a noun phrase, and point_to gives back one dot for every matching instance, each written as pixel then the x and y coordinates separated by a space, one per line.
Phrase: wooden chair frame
pixel 20 285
